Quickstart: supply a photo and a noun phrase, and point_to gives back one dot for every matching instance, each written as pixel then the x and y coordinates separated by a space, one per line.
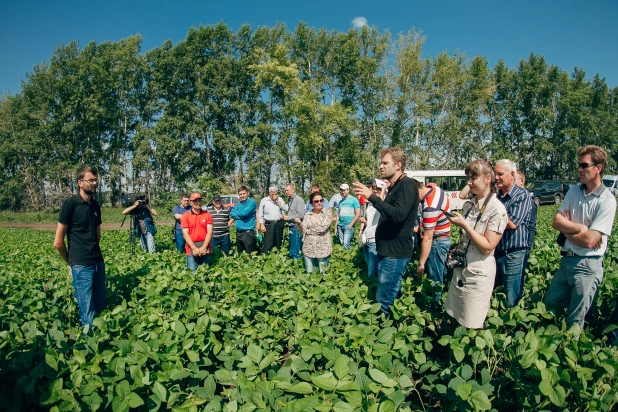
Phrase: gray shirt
pixel 595 210
pixel 270 210
pixel 296 206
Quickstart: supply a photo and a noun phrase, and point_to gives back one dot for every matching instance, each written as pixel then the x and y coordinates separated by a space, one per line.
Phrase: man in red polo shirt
pixel 196 228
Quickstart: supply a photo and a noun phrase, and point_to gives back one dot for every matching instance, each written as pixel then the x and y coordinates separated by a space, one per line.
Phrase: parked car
pixel 226 200
pixel 546 191
pixel 610 182
pixel 566 186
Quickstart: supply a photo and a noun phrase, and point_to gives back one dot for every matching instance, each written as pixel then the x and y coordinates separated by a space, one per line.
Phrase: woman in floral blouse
pixel 318 244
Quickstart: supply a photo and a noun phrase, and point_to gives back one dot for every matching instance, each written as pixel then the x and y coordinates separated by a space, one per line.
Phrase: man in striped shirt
pixel 511 252
pixel 221 225
pixel 436 232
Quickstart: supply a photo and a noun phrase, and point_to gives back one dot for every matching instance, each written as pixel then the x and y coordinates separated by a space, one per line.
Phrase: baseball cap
pixel 216 198
pixel 195 196
pixel 344 186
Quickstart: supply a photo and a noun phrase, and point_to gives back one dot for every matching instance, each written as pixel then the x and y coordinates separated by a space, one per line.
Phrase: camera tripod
pixel 132 225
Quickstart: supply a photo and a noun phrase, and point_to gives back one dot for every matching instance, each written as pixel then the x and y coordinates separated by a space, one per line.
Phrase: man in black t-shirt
pixel 398 211
pixel 80 222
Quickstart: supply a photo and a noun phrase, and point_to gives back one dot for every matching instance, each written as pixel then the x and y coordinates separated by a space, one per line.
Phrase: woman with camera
pixel 483 221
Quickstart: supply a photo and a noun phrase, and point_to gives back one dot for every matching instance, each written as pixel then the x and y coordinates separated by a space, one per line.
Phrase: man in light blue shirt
pixel 349 212
pixel 244 215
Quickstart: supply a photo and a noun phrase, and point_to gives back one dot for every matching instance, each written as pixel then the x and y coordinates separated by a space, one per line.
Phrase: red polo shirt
pixel 197 223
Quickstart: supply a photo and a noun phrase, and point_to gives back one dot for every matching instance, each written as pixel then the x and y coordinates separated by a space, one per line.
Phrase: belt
pixel 270 222
pixel 568 253
pixel 245 230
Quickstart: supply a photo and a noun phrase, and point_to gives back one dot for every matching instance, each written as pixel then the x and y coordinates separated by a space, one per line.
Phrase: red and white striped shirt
pixel 432 217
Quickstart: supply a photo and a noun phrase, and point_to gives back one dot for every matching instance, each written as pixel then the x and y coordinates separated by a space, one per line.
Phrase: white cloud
pixel 359 22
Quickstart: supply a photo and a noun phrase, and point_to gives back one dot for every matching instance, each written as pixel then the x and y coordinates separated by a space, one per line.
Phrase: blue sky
pixel 567 33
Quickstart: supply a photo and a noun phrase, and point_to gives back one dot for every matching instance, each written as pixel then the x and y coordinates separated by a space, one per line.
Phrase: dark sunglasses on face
pixel 319 201
pixel 585 165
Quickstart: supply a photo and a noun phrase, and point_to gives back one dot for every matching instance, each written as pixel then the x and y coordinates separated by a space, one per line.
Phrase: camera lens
pixel 460 283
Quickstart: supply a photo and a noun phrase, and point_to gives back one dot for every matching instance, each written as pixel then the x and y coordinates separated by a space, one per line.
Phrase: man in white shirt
pixel 585 218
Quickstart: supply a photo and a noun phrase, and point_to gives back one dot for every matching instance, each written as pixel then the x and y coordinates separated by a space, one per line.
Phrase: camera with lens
pixel 456 260
pixel 142 200
pixel 130 199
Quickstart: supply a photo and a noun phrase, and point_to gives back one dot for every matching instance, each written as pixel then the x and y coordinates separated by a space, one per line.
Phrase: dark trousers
pixel 273 237
pixel 246 241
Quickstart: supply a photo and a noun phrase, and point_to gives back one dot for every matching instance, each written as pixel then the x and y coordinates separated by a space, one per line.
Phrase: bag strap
pixel 477 218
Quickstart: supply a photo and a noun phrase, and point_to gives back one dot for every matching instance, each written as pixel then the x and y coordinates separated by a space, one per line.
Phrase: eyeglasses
pixel 585 165
pixel 319 201
pixel 91 181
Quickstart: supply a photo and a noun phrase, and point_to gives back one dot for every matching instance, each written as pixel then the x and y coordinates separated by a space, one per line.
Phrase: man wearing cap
pixel 349 212
pixel 270 219
pixel 244 215
pixel 178 211
pixel 296 210
pixel 221 225
pixel 196 227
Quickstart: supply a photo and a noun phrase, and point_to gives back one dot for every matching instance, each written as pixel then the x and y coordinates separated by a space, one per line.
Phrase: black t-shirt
pixel 82 219
pixel 398 211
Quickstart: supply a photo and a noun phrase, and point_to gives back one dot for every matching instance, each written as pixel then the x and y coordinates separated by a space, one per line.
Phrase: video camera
pixel 130 199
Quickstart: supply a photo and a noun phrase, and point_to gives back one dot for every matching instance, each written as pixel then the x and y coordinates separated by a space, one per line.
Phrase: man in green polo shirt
pixel 80 222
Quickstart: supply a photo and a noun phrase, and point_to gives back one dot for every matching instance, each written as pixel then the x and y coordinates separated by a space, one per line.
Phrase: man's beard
pixel 89 192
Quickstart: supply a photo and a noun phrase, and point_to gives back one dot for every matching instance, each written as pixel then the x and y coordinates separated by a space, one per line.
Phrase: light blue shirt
pixel 244 214
pixel 347 210
pixel 270 210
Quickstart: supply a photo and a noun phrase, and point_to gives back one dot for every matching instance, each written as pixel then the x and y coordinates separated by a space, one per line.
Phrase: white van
pixel 610 182
pixel 451 181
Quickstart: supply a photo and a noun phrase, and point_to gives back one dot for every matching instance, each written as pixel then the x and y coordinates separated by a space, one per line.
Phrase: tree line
pixel 271 105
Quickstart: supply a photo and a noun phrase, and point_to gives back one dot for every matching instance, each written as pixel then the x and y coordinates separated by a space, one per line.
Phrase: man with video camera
pixel 145 228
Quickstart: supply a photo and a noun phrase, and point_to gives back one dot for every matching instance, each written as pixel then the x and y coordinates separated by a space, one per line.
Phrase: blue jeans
pixel 147 242
pixel 574 286
pixel 345 235
pixel 180 241
pixel 313 263
pixel 194 261
pixel 371 257
pixel 89 287
pixel 390 275
pixel 222 243
pixel 436 261
pixel 295 242
pixel 510 273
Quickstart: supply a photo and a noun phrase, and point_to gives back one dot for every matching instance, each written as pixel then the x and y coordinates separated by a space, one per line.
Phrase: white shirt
pixel 595 210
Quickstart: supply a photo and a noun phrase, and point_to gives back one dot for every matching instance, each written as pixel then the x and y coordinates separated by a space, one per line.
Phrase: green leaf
pixel 255 353
pixel 342 407
pixel 160 391
pixel 464 390
pixel 556 394
pixel 405 382
pixel 345 386
pixel 387 406
pixel 342 366
pixel 479 401
pixel 192 356
pixel 378 375
pixel 303 388
pixel 123 389
pixel 134 400
pixel 459 354
pixel 328 383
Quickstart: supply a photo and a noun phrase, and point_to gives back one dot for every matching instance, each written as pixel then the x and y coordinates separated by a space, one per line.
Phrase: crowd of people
pixel 396 214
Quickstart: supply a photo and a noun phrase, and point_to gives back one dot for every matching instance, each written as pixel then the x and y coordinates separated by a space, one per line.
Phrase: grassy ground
pixel 109 214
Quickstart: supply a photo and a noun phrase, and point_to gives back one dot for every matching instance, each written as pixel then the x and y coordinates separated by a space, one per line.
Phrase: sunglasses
pixel 319 201
pixel 585 165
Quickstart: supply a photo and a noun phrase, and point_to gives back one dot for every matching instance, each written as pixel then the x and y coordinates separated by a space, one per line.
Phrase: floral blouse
pixel 318 242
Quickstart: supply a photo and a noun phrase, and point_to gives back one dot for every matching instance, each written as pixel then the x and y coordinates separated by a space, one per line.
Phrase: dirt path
pixel 52 226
